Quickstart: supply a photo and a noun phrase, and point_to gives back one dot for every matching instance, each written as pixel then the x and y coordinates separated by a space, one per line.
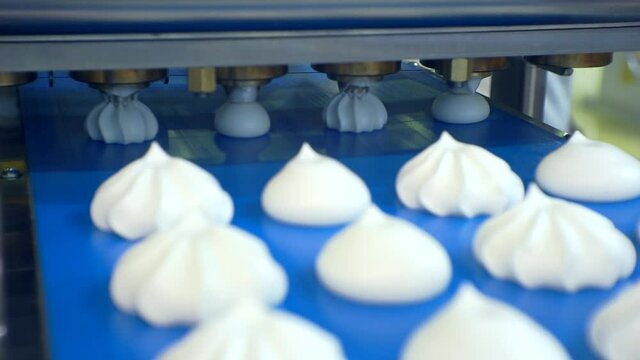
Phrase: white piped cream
pixel 383 259
pixel 250 331
pixel 551 243
pixel 461 104
pixel 121 118
pixel 315 190
pixel 152 192
pixel 473 326
pixel 454 178
pixel 590 170
pixel 615 329
pixel 195 270
pixel 355 109
pixel 242 116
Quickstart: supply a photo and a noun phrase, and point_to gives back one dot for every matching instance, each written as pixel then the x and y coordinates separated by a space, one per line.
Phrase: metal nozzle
pixel 16 78
pixel 201 80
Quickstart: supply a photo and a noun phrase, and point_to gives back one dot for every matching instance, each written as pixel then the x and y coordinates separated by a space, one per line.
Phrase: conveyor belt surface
pixel 76 259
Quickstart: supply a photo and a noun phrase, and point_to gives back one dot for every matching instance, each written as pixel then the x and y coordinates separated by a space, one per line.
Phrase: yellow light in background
pixel 606 104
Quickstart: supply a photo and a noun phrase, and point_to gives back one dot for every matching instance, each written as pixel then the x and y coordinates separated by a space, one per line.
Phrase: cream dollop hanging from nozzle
pixel 355 108
pixel 121 118
pixel 241 115
pixel 461 104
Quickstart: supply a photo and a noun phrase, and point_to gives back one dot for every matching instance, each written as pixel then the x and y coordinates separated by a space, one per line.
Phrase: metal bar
pixel 535 80
pixel 520 87
pixel 86 52
pixel 275 34
pixel 104 16
pixel 507 85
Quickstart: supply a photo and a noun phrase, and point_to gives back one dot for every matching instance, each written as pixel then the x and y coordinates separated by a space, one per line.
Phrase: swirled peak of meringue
pixel 545 242
pixel 474 326
pixel 315 190
pixel 615 329
pixel 384 259
pixel 588 170
pixel 355 109
pixel 251 331
pixel 152 192
pixel 194 270
pixel 453 178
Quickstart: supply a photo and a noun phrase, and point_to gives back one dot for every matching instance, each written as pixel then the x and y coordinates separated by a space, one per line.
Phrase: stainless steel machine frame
pixel 243 48
pixel 166 50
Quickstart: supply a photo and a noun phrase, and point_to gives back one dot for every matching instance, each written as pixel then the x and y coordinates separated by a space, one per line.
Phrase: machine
pixel 60 138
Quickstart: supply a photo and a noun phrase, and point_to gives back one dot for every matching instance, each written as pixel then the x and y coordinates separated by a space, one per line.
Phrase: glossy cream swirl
pixel 552 243
pixel 590 170
pixel 615 329
pixel 473 326
pixel 316 190
pixel 250 331
pixel 195 270
pixel 384 259
pixel 454 178
pixel 153 192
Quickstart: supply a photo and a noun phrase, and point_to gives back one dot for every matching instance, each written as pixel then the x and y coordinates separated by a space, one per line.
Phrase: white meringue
pixel 250 331
pixel 383 259
pixel 195 270
pixel 461 105
pixel 355 109
pixel 551 243
pixel 121 118
pixel 242 116
pixel 152 192
pixel 316 190
pixel 454 178
pixel 473 326
pixel 589 170
pixel 615 330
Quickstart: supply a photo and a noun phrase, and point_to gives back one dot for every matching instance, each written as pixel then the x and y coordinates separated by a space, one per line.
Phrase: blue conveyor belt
pixel 76 259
